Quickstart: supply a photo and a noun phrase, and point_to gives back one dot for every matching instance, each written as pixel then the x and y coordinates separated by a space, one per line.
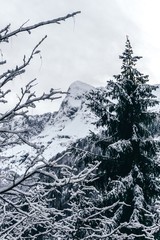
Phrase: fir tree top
pixel 128 66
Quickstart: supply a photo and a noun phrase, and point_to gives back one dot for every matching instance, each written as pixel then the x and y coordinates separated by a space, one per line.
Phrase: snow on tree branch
pixel 5 34
pixel 28 200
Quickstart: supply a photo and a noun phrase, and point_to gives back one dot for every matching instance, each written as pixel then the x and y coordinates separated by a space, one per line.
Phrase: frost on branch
pixel 28 200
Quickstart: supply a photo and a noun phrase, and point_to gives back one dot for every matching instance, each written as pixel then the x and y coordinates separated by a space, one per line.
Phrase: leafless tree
pixel 27 208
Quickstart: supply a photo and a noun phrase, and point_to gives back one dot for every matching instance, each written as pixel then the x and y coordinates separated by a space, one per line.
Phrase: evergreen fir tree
pixel 127 177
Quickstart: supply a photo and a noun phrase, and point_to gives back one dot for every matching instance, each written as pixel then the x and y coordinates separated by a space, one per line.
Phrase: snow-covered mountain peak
pixel 74 100
pixel 74 119
pixel 72 122
pixel 57 131
pixel 78 88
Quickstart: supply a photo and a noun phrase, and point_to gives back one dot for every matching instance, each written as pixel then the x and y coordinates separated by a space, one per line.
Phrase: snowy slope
pixel 72 122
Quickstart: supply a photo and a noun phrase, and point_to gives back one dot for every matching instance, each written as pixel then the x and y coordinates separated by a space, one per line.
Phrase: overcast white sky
pixel 85 48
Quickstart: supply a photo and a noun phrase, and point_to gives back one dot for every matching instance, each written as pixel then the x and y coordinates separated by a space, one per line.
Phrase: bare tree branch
pixel 4 37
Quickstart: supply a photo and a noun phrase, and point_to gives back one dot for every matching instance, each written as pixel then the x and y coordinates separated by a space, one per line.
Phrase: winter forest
pixel 90 171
